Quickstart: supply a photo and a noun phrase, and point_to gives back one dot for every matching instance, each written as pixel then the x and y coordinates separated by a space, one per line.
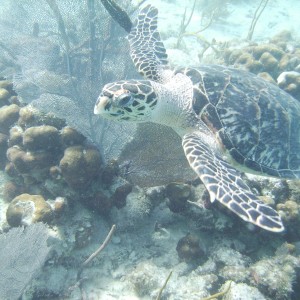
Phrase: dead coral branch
pixel 262 5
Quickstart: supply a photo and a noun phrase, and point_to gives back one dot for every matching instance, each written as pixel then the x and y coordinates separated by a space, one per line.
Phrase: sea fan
pixel 59 55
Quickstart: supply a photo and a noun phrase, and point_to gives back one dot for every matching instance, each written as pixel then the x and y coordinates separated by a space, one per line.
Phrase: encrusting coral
pixel 178 194
pixel 44 157
pixel 26 209
pixel 188 248
pixel 9 114
pixel 43 137
pixel 70 137
pixel 80 165
pixel 277 61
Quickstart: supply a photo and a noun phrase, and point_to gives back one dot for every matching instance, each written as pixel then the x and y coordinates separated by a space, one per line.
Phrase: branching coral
pixel 261 7
pixel 212 15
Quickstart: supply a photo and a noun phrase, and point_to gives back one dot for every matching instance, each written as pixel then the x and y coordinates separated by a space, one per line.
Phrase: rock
pixel 80 165
pixel 242 291
pixel 26 209
pixel 41 138
pixel 235 273
pixel 9 114
pixel 145 279
pixel 276 275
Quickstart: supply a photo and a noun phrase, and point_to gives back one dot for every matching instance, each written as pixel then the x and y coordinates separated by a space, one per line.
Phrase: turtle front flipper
pixel 224 184
pixel 147 51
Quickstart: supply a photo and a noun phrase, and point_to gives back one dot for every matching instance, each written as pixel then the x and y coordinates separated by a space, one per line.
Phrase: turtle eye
pixel 124 99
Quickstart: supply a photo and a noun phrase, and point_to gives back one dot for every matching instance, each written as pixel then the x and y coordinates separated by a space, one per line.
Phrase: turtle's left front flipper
pixel 224 183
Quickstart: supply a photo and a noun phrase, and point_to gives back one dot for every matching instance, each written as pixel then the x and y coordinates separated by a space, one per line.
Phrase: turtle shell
pixel 254 120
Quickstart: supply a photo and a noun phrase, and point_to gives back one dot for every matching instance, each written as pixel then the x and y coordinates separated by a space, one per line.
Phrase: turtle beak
pixel 102 104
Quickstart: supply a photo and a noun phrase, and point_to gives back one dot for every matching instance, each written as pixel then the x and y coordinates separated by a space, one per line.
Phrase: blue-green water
pixel 79 173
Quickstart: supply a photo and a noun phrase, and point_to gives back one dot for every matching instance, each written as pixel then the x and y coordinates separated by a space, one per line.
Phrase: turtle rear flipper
pixel 224 184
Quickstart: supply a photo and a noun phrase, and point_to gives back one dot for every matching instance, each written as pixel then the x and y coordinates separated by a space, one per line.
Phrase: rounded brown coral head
pixel 188 248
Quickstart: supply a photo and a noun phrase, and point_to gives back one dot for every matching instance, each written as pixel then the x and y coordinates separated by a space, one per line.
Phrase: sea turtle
pixel 227 119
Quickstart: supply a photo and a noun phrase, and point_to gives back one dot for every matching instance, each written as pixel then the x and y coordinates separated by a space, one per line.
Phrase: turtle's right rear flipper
pixel 225 184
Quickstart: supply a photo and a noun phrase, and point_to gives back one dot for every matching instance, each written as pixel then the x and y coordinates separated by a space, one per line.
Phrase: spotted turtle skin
pixel 255 121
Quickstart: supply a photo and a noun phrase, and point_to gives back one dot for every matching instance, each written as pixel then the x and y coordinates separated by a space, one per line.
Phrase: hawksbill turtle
pixel 229 120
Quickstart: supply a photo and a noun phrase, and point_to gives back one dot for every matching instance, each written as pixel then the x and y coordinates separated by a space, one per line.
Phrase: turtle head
pixel 132 100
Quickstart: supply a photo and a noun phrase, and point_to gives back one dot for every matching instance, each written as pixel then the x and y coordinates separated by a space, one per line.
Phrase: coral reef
pixel 10 190
pixel 30 162
pixel 143 281
pixel 274 61
pixel 289 210
pixel 100 202
pixel 4 95
pixel 110 170
pixel 42 156
pixel 70 136
pixel 275 277
pixel 15 136
pixel 290 82
pixel 240 291
pixel 41 138
pixel 45 159
pixel 9 114
pixel 83 235
pixel 26 209
pixel 3 149
pixel 120 194
pixel 188 248
pixel 178 195
pixel 80 165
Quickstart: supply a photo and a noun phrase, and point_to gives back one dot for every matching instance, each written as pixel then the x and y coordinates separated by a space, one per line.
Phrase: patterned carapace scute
pixel 54 70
